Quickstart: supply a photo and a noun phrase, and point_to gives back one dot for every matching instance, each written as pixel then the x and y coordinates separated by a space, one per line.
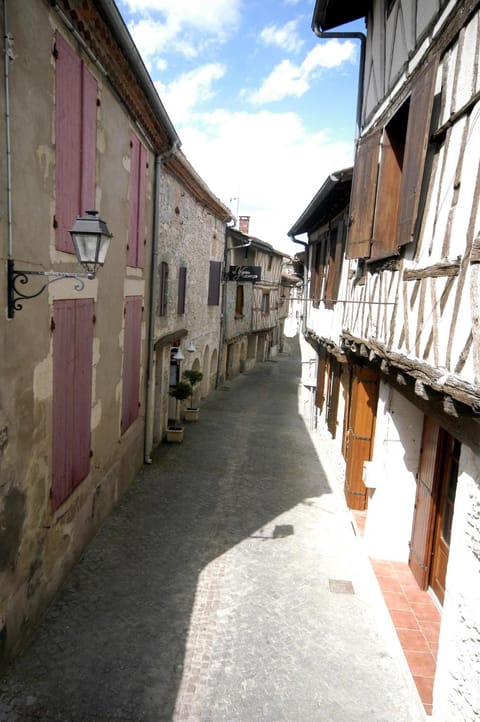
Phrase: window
pixel 320 391
pixel 334 265
pixel 72 395
pixel 239 300
pixel 163 289
pixel 386 186
pixel 317 268
pixel 182 286
pixel 136 203
pixel 333 392
pixel 266 302
pixel 214 283
pixel 131 360
pixel 75 140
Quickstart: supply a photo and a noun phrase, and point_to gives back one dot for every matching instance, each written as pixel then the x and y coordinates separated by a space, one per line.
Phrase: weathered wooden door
pixel 362 415
pixel 432 521
pixel 447 476
pixel 421 541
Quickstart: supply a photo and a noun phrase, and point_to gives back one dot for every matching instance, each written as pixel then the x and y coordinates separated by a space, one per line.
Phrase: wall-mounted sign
pixel 245 273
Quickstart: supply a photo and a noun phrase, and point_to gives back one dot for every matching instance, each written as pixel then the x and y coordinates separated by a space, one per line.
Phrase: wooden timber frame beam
pixel 451 401
pixel 321 344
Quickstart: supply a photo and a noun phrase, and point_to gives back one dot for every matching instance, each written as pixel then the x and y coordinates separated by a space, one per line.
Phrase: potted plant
pixel 193 377
pixel 181 391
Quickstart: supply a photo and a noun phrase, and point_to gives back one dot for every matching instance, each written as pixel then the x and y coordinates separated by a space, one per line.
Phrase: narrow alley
pixel 228 585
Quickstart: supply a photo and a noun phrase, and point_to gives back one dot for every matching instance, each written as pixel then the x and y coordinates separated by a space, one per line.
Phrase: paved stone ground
pixel 227 586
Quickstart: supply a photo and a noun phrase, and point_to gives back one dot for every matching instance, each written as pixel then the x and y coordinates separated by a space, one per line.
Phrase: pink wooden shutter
pixel 89 141
pixel 131 360
pixel 72 395
pixel 142 173
pixel 133 202
pixel 82 389
pixel 67 141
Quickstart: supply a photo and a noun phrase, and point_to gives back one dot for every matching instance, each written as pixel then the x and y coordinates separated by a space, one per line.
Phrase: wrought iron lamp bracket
pixel 18 278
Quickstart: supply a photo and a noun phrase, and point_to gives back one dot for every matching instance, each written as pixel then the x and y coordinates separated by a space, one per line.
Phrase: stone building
pixel 393 314
pixel 83 128
pixel 251 330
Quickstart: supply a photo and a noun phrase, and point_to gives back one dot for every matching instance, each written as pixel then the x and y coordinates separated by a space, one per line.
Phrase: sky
pixel 264 109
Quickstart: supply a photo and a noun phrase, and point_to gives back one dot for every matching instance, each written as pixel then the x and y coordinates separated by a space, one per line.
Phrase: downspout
pixel 150 382
pixel 305 279
pixel 355 36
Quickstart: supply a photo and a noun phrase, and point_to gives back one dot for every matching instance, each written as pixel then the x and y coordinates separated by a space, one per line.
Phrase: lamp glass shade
pixel 91 239
pixel 179 355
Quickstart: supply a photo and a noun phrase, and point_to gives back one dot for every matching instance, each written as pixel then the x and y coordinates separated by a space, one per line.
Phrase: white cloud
pixel 189 90
pixel 285 37
pixel 166 24
pixel 288 79
pixel 268 160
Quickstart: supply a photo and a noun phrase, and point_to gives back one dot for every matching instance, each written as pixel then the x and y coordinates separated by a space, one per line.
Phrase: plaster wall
pixel 40 545
pixel 396 453
pixel 456 696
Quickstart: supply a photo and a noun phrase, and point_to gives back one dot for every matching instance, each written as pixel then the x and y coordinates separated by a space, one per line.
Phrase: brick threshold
pixel 415 616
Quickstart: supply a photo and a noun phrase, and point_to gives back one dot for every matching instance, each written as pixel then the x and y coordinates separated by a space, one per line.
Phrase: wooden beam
pixel 438 270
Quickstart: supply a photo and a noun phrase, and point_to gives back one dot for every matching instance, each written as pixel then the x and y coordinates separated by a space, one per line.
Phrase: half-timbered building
pixel 398 346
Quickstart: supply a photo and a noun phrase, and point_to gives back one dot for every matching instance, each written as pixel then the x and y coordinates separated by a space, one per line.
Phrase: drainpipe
pixel 306 248
pixel 219 378
pixel 150 384
pixel 355 36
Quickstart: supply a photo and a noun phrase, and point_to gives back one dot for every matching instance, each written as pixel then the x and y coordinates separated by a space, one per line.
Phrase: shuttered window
pixel 182 287
pixel 419 121
pixel 136 204
pixel 335 260
pixel 75 140
pixel 239 300
pixel 362 203
pixel 320 392
pixel 335 371
pixel 317 271
pixel 163 288
pixel 214 283
pixel 131 360
pixel 385 202
pixel 72 395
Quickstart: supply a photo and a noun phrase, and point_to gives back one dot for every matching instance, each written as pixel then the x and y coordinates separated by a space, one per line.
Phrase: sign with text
pixel 245 273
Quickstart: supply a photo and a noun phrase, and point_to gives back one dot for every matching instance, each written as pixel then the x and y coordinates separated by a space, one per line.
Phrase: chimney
pixel 243 224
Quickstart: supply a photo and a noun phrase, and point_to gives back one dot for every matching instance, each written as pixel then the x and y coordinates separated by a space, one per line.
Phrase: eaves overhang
pixel 329 14
pixel 332 197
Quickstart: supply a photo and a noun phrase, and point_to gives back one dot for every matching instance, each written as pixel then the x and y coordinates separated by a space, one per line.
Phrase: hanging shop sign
pixel 245 273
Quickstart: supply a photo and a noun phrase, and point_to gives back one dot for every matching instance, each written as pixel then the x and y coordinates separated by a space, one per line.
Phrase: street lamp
pixel 91 238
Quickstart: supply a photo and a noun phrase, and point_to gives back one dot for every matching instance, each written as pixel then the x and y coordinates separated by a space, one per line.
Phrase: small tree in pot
pixel 193 377
pixel 181 391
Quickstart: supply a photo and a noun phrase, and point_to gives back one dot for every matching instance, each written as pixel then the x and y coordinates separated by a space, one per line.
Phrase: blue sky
pixel 264 109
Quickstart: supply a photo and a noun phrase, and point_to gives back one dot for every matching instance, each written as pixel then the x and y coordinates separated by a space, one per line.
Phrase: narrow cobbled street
pixel 227 586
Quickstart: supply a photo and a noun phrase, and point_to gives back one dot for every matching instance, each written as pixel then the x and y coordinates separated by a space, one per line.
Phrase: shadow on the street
pixel 113 645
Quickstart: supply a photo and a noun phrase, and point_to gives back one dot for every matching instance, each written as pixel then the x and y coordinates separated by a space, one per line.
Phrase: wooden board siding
pixel 362 204
pixel 131 360
pixel 75 141
pixel 362 416
pixel 72 395
pixel 420 545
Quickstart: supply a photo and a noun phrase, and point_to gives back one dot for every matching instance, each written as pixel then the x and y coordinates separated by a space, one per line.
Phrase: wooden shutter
pixel 131 360
pixel 142 182
pixel 68 134
pixel 163 289
pixel 239 300
pixel 214 283
pixel 133 201
pixel 418 128
pixel 72 395
pixel 362 203
pixel 389 180
pixel 422 528
pixel 182 285
pixel 334 393
pixel 75 140
pixel 362 416
pixel 89 141
pixel 320 392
